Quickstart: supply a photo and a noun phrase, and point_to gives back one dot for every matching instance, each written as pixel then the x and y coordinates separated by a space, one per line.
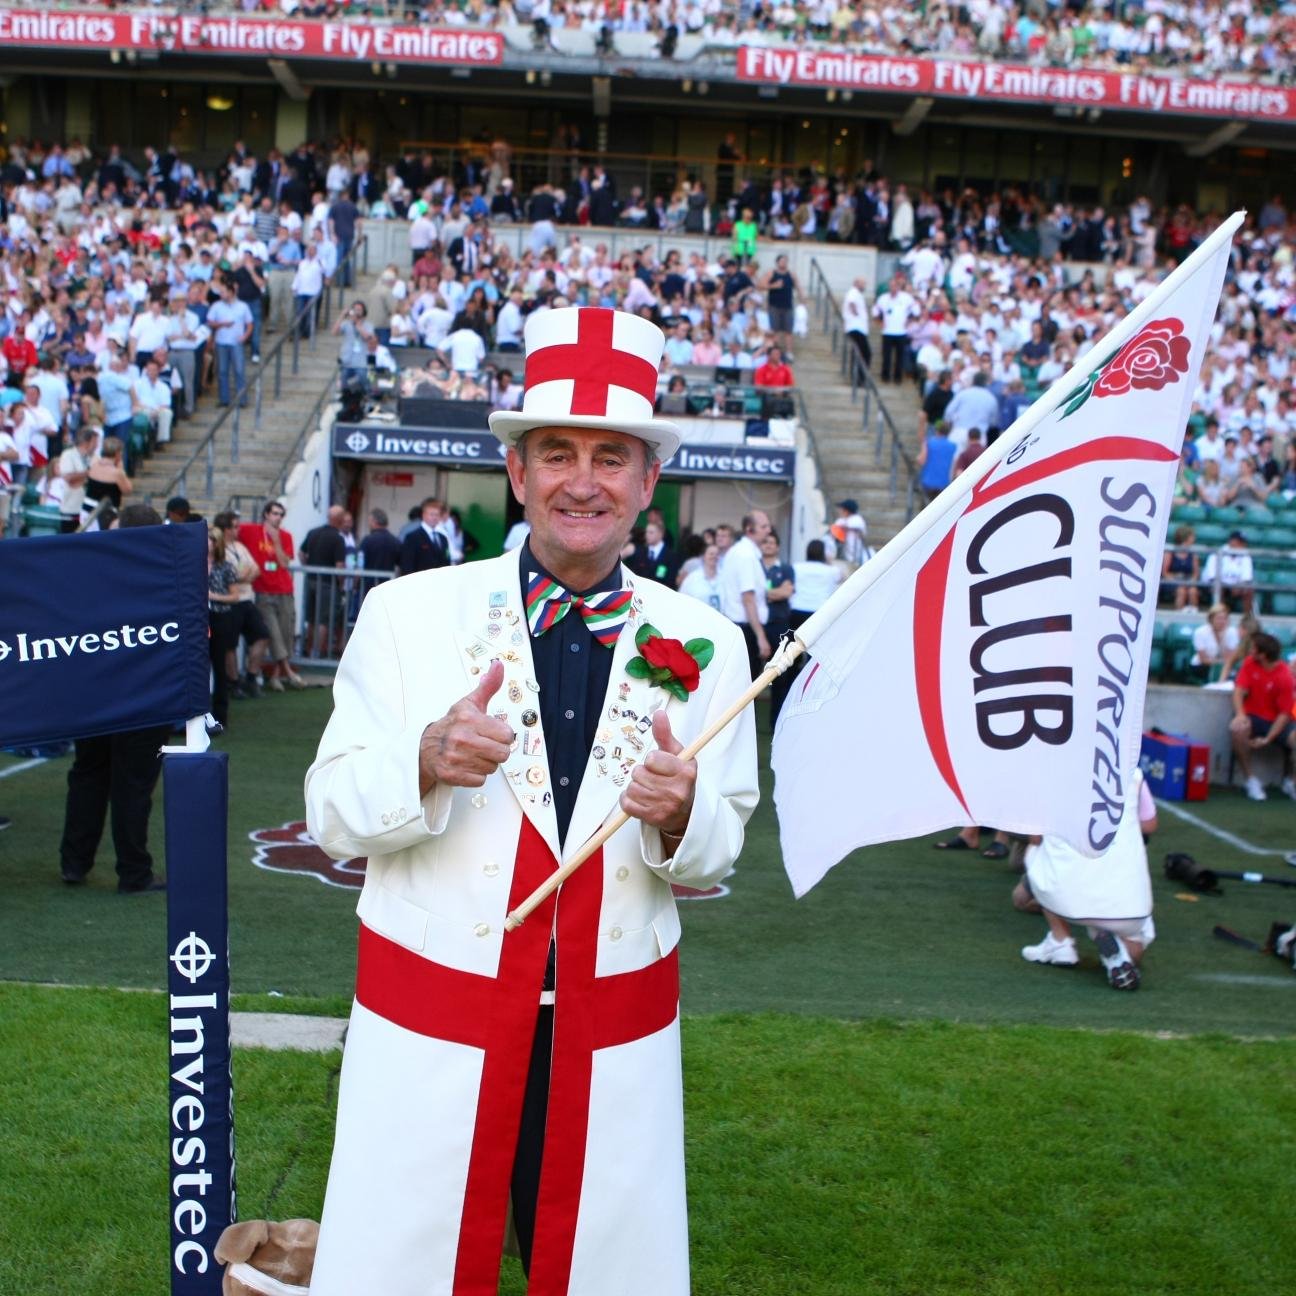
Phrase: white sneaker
pixel 1051 950
pixel 1289 788
pixel 1122 971
pixel 1255 789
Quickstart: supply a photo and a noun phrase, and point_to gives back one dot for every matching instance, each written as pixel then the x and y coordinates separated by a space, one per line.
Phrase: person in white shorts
pixel 1110 895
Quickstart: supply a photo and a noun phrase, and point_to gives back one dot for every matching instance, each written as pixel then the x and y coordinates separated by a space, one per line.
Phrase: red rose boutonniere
pixel 674 666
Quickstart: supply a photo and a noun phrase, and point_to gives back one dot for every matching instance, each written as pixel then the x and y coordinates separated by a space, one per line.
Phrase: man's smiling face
pixel 582 489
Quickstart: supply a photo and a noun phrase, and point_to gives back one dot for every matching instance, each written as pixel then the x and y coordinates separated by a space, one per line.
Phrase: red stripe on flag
pixel 1115 448
pixel 933 578
pixel 929 618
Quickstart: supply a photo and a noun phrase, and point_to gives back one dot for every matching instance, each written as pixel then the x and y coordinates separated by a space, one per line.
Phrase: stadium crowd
pixel 128 286
pixel 983 331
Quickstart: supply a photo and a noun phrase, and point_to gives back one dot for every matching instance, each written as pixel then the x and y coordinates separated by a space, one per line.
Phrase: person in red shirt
pixel 774 373
pixel 272 549
pixel 19 352
pixel 1262 705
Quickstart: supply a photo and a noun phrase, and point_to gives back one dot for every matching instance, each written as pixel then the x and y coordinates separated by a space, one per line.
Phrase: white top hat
pixel 589 367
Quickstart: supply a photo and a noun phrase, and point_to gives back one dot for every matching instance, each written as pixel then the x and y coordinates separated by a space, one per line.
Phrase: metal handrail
pixel 359 253
pixel 309 424
pixel 857 373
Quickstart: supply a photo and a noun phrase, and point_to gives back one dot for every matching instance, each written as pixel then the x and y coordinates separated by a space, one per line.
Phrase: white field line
pixel 1242 979
pixel 23 765
pixel 1237 843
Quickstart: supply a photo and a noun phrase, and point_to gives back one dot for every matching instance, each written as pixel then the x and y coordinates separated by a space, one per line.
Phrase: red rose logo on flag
pixel 671 655
pixel 1153 359
pixel 1156 357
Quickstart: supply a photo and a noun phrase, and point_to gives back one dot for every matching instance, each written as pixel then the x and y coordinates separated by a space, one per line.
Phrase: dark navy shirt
pixel 572 669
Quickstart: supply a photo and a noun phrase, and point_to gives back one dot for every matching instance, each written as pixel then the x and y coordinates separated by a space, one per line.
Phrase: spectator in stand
pixel 379 550
pixel 855 318
pixel 974 407
pixel 971 452
pixel 1262 708
pixel 308 286
pixel 231 323
pixel 850 536
pixel 773 373
pixel 895 308
pixel 186 337
pixel 1235 571
pixel 935 461
pixel 937 399
pixel 1217 645
pixel 1183 567
pixel 783 292
pixel 465 350
pixel 73 470
pixel 153 401
pixel 359 343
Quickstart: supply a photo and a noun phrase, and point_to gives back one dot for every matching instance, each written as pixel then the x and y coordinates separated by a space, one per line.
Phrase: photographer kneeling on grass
pixel 1112 896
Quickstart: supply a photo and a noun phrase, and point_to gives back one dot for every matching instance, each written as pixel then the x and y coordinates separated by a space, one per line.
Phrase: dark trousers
pixel 894 347
pixel 117 771
pixel 754 661
pixel 861 341
pixel 779 689
pixel 530 1144
pixel 224 639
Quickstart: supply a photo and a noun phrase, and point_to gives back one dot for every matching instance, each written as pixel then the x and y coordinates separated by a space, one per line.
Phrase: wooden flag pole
pixel 787 653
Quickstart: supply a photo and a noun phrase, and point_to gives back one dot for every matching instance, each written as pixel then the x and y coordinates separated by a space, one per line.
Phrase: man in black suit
pixel 268 177
pixel 654 559
pixel 295 193
pixel 424 547
pixel 379 550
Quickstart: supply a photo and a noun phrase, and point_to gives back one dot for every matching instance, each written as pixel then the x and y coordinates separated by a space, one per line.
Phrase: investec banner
pixel 253 37
pixel 102 632
pixel 1011 83
pixel 481 450
pixel 200 1132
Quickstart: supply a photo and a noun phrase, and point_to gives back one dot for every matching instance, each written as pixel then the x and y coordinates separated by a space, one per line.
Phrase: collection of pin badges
pixel 621 740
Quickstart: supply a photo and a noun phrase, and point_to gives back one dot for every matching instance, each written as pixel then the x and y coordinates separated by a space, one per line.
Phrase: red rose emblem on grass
pixel 672 665
pixel 670 654
pixel 1155 358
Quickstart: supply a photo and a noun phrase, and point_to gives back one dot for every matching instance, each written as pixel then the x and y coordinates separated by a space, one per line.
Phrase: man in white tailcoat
pixel 487 719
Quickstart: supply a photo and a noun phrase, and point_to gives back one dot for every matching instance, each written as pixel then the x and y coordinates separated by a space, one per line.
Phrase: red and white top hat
pixel 591 367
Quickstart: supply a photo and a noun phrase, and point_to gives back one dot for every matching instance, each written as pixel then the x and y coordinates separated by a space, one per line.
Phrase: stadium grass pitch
pixel 882 1096
pixel 827 1158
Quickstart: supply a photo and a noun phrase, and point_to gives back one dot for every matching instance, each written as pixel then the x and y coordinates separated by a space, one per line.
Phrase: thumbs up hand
pixel 660 791
pixel 467 744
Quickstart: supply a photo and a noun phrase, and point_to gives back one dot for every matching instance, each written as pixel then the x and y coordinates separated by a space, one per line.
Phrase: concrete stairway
pixel 261 450
pixel 847 448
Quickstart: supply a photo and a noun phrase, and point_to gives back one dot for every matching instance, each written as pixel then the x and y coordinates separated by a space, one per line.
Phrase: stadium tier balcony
pixel 1205 38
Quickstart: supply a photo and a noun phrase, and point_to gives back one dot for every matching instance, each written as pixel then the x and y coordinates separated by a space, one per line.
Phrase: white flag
pixel 989 665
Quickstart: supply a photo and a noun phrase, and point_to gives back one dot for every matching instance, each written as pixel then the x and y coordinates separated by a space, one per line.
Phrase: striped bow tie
pixel 604 614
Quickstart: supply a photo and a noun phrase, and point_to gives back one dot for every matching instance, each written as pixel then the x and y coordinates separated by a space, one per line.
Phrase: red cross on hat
pixel 590 367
